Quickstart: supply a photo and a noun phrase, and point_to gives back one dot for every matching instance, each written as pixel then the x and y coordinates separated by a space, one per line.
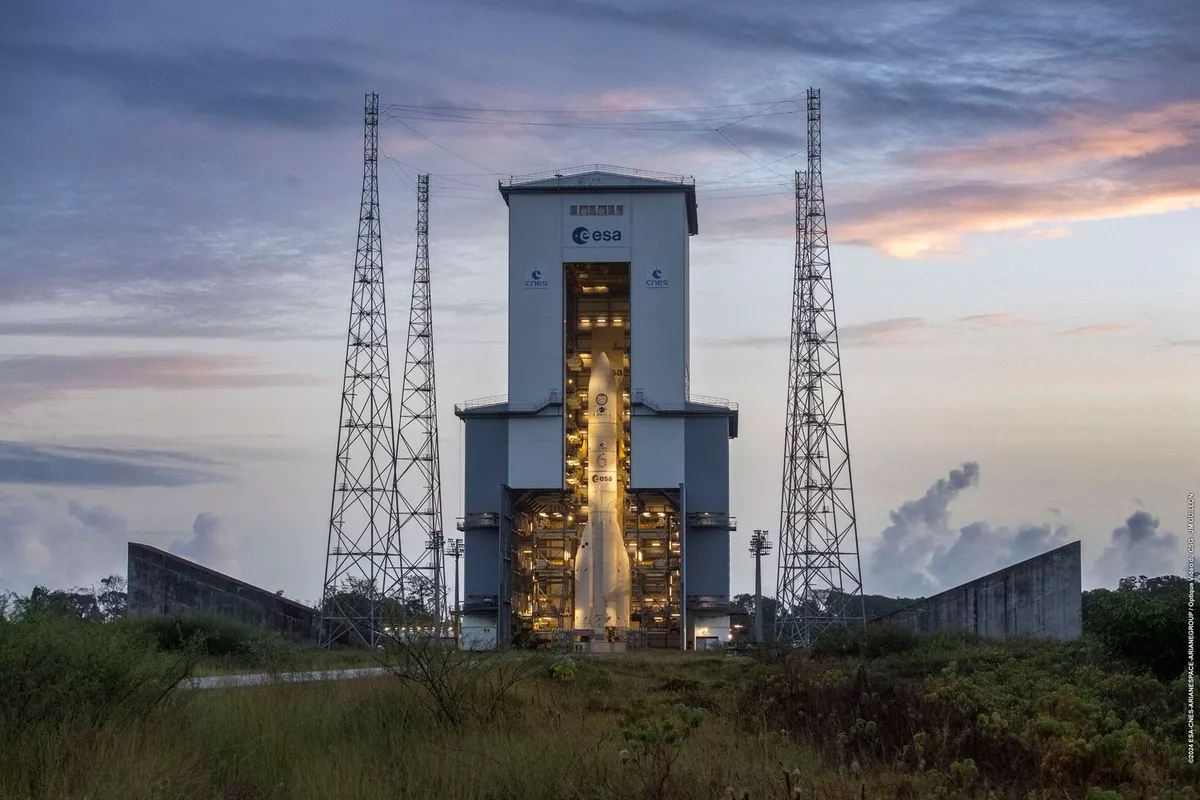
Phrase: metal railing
pixel 570 172
pixel 554 398
pixel 711 519
pixel 637 397
pixel 479 520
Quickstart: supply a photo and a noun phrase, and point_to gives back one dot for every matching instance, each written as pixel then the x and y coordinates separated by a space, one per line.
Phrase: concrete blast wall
pixel 1039 597
pixel 161 584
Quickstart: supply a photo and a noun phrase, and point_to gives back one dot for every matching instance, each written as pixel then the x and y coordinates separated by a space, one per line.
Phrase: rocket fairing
pixel 602 580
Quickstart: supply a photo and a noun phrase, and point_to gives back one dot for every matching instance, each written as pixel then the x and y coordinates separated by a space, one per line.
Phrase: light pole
pixel 455 549
pixel 435 544
pixel 760 545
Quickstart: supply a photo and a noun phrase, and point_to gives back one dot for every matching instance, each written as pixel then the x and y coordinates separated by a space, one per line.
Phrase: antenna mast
pixel 819 574
pixel 363 564
pixel 418 470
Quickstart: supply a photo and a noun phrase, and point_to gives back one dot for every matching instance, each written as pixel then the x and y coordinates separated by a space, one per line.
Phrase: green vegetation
pixel 1144 622
pixel 94 709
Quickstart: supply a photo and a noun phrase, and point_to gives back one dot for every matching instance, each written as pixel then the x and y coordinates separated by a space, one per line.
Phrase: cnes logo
pixel 582 235
pixel 535 280
pixel 657 280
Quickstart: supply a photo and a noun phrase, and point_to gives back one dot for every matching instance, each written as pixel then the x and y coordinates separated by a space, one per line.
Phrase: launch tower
pixel 596 496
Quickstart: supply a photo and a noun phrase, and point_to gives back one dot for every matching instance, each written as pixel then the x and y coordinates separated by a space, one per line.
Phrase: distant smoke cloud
pixel 1138 548
pixel 980 549
pixel 44 541
pixel 920 553
pixel 213 544
pixel 900 562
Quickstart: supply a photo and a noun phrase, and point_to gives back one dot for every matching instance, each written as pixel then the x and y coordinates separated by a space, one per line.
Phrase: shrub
pixel 564 670
pixel 55 670
pixel 868 641
pixel 1144 622
pixel 240 643
pixel 459 686
pixel 1020 714
pixel 653 745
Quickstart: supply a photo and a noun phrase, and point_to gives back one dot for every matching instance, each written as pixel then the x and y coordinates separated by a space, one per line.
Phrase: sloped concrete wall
pixel 161 584
pixel 1040 597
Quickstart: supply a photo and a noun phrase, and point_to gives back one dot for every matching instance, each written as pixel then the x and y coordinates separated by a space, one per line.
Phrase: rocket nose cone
pixel 602 364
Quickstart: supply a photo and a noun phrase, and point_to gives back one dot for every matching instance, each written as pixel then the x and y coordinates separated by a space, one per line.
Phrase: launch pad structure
pixel 596 494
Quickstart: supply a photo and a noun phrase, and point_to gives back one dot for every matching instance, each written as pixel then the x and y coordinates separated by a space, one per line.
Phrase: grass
pixel 950 717
pixel 299 659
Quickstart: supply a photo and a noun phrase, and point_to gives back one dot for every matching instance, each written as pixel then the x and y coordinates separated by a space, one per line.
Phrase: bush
pixel 868 641
pixel 456 686
pixel 55 670
pixel 1021 714
pixel 1144 622
pixel 217 637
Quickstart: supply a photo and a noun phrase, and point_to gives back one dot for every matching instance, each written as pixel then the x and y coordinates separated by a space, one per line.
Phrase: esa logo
pixel 657 280
pixel 582 235
pixel 598 478
pixel 535 280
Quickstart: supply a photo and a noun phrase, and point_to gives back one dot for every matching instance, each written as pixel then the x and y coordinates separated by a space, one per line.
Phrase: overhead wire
pixel 648 125
pixel 468 190
pixel 442 147
pixel 393 106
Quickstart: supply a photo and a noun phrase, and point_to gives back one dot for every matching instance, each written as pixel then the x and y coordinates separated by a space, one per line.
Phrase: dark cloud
pixel 214 81
pixel 1138 548
pixel 172 222
pixel 97 467
pixel 791 33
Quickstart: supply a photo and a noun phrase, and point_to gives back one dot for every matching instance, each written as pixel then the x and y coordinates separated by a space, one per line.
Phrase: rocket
pixel 602 579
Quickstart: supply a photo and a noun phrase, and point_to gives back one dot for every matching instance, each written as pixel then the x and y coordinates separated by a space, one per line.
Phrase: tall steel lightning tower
pixel 363 564
pixel 418 470
pixel 820 577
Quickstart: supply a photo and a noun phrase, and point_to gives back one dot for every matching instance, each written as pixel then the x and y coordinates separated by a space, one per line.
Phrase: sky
pixel 1013 199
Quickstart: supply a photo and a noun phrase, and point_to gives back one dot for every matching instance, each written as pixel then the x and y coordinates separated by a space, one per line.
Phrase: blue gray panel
pixel 486 451
pixel 706 469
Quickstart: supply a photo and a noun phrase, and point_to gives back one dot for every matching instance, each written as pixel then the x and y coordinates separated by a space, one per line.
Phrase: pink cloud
pixel 1097 328
pixel 991 320
pixel 1049 233
pixel 24 379
pixel 1078 170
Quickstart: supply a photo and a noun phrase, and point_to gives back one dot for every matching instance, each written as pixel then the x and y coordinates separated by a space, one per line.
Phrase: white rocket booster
pixel 602 584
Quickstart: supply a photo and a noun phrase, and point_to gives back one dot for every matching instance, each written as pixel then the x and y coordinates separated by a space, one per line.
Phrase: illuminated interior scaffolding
pixel 547 526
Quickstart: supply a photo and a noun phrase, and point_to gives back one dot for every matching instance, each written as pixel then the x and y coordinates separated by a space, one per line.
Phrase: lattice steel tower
pixel 418 470
pixel 363 565
pixel 820 577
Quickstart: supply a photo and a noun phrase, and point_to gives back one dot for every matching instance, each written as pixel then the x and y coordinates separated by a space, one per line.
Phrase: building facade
pixel 598 271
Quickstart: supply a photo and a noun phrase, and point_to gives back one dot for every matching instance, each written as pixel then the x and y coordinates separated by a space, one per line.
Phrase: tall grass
pixel 932 722
pixel 56 671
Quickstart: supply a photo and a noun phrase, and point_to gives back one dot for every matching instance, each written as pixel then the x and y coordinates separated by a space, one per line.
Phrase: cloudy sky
pixel 1014 201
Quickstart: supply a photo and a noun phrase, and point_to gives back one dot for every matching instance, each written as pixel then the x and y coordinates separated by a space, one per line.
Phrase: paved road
pixel 263 678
